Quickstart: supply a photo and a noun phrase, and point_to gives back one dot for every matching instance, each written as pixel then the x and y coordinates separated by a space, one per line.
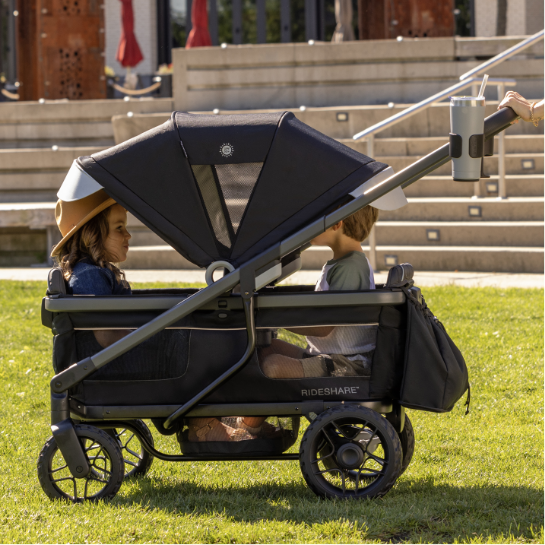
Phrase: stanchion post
pixel 372 234
pixel 502 192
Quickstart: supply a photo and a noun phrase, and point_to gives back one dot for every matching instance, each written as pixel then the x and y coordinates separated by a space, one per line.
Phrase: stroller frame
pixel 251 276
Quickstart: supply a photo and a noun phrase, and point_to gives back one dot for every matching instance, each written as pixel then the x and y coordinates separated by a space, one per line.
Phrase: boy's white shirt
pixel 351 341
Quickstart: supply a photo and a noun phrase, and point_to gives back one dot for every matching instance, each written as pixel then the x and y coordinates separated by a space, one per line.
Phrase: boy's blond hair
pixel 359 224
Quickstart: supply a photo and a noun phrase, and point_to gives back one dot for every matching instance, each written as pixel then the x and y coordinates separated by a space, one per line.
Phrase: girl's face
pixel 117 243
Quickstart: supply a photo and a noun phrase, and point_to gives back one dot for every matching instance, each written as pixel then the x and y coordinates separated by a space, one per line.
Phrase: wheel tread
pixel 397 454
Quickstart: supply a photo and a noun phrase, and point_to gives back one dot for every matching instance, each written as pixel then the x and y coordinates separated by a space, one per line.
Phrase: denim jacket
pixel 90 279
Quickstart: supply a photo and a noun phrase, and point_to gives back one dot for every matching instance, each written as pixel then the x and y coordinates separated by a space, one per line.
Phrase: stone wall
pixel 350 73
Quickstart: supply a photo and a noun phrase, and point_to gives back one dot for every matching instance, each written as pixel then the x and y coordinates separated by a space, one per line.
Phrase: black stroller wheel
pixel 406 438
pixel 137 459
pixel 350 452
pixel 407 444
pixel 105 461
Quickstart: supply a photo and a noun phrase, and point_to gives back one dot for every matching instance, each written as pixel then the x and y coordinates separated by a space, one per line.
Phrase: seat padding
pixel 400 276
pixel 56 284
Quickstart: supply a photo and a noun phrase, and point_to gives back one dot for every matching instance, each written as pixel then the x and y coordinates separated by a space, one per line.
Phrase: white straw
pixel 483 85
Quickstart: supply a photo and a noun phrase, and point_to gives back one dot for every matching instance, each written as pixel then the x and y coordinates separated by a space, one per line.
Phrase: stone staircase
pixel 38 142
pixel 442 228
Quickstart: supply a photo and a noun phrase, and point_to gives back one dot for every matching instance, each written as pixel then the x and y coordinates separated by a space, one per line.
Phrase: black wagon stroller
pixel 246 194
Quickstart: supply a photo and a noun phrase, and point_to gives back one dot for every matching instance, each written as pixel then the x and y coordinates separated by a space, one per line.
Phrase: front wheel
pixel 350 452
pixel 105 462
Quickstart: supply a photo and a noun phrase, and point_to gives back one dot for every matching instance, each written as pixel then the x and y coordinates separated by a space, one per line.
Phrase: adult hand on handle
pixel 522 107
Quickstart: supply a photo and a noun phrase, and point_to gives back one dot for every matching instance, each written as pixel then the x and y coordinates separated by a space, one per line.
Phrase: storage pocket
pixel 387 368
pixel 162 356
pixel 435 374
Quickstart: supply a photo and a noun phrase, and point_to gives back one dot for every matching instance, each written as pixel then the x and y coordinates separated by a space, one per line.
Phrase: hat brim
pixel 102 206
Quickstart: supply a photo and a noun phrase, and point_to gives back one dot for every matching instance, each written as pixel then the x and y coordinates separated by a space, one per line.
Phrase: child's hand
pixel 518 103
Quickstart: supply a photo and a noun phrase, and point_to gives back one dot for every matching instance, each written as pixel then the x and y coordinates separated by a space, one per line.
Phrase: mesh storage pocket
pixel 387 371
pixel 435 375
pixel 163 356
pixel 286 430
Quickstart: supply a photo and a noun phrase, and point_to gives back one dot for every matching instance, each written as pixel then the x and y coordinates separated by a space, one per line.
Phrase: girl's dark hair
pixel 88 242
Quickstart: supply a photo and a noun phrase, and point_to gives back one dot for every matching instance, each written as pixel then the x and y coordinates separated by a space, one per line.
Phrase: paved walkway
pixel 425 278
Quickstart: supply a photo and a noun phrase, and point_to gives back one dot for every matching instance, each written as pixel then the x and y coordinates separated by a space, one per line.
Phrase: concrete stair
pixel 442 228
pixel 68 123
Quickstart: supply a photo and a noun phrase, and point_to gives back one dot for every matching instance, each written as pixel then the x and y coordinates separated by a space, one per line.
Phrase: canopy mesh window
pixel 225 191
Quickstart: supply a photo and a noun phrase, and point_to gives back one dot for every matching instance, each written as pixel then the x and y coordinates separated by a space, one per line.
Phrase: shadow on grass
pixel 412 508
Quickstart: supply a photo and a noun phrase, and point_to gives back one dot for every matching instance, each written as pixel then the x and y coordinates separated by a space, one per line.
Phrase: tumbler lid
pixel 467 101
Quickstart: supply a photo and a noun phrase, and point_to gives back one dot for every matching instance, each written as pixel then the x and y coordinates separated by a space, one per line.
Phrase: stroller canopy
pixel 226 187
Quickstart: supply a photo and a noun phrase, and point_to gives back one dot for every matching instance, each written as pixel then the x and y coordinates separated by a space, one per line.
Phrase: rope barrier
pixel 12 96
pixel 136 92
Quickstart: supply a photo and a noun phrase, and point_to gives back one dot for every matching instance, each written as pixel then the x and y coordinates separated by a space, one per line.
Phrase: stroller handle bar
pixel 246 274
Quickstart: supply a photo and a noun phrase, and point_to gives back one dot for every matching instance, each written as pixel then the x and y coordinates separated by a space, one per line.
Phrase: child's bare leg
pixel 281 347
pixel 280 366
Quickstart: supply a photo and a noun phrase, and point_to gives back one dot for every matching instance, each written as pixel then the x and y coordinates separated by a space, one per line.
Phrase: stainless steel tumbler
pixel 466 137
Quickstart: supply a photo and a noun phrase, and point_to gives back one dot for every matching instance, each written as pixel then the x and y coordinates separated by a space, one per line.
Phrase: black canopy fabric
pixel 228 187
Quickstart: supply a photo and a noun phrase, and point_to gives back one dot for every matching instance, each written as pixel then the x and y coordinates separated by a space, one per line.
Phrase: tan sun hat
pixel 73 215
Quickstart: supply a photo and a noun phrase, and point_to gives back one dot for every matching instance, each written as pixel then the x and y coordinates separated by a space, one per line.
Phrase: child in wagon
pixel 331 351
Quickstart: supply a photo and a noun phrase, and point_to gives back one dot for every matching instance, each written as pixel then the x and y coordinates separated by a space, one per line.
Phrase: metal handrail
pixel 422 105
pixel 465 82
pixel 504 55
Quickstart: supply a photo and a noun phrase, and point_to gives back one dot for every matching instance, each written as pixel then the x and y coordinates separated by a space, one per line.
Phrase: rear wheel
pixel 406 437
pixel 137 459
pixel 105 462
pixel 350 452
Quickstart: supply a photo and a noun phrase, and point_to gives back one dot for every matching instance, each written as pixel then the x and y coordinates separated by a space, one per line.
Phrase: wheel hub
pixel 368 441
pixel 349 456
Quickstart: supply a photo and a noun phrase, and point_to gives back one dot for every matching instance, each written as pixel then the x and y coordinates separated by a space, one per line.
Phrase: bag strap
pixel 468 399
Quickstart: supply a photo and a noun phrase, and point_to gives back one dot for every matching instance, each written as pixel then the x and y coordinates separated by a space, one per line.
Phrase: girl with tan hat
pixel 94 237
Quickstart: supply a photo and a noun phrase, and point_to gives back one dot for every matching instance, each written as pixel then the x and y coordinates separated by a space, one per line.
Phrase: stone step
pixel 18 237
pixel 515 163
pixel 446 258
pixel 68 123
pixel 433 121
pixel 36 175
pixel 450 258
pixel 449 233
pixel 40 160
pixel 459 209
pixel 102 142
pixel 459 233
pixel 517 185
pixel 22 246
pixel 471 210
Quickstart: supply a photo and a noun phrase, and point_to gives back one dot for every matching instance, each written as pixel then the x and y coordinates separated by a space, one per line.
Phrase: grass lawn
pixel 473 479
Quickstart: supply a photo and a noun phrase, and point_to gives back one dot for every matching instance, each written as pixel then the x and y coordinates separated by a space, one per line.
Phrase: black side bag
pixel 435 373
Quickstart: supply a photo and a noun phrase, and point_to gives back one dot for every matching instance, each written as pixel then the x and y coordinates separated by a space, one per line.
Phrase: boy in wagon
pixel 331 351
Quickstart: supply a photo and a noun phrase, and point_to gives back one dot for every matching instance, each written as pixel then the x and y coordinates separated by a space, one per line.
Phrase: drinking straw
pixel 483 85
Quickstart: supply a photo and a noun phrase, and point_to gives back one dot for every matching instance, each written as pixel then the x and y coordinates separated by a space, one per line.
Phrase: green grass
pixel 475 478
